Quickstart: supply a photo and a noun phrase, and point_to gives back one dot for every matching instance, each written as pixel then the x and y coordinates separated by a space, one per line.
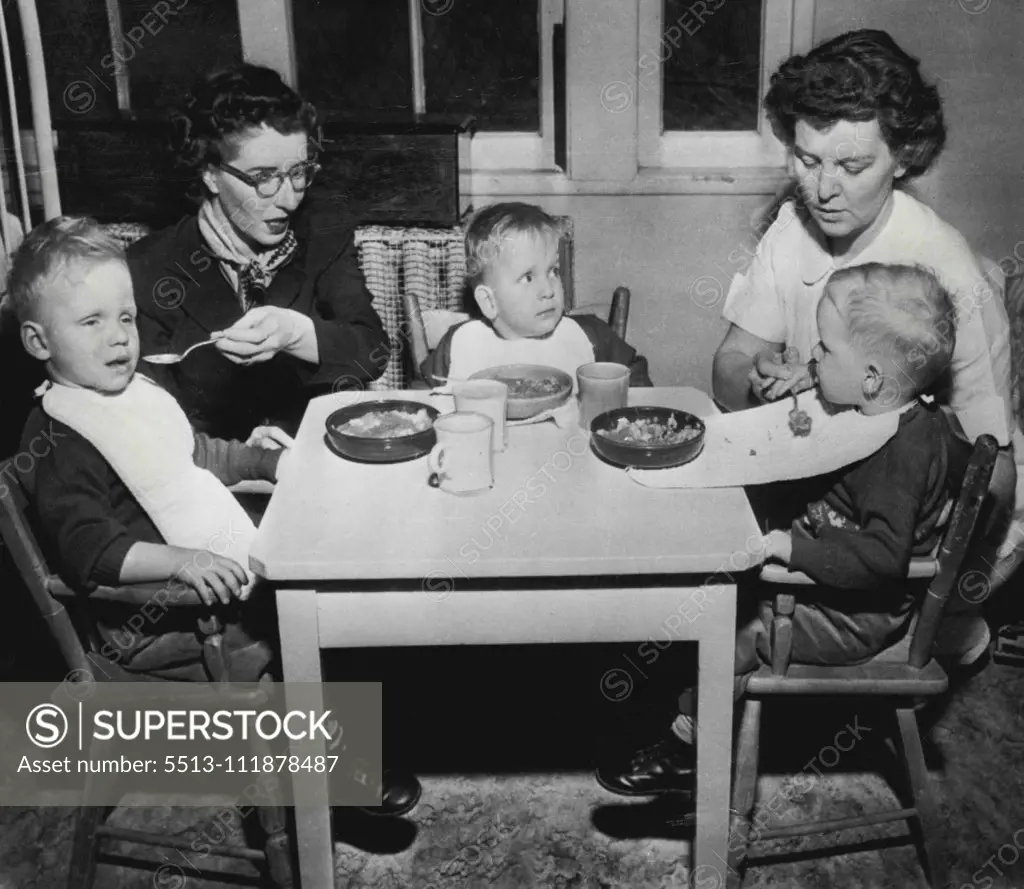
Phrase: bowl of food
pixel 382 431
pixel 532 388
pixel 647 437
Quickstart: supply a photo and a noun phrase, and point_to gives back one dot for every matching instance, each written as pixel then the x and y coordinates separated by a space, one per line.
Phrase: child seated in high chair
pixel 121 488
pixel 885 340
pixel 513 273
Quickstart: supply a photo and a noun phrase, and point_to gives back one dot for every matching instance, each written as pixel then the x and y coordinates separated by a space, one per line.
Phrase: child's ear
pixel 484 297
pixel 33 338
pixel 875 381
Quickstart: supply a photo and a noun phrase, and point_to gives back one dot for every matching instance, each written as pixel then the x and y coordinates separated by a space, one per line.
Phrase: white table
pixel 556 511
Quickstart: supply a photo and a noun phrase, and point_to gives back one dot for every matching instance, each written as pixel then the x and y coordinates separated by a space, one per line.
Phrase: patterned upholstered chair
pixel 430 263
pixel 127 233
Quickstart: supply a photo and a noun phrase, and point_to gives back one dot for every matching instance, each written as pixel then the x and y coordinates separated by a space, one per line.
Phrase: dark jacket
pixel 183 296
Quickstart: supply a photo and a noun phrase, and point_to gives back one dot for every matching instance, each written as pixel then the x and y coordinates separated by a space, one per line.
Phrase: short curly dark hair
pixel 229 101
pixel 860 76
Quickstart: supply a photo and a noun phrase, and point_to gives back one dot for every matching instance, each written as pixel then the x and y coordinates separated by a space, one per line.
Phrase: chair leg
pixel 744 789
pixel 82 869
pixel 927 825
pixel 274 821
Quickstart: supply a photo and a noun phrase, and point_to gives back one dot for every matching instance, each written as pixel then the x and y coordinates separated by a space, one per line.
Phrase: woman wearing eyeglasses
pixel 273 278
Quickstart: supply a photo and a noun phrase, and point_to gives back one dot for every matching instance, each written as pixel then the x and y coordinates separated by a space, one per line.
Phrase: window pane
pixel 353 55
pixel 166 53
pixel 483 58
pixel 165 46
pixel 479 57
pixel 713 67
pixel 75 39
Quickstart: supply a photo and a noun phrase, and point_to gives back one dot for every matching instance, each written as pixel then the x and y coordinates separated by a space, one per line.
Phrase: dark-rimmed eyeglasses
pixel 269 184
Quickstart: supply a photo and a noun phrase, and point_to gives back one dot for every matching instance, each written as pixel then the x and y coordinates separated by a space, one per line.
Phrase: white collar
pixel 817 261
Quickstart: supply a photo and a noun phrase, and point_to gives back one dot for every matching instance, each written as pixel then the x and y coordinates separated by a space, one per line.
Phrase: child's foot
pixel 665 767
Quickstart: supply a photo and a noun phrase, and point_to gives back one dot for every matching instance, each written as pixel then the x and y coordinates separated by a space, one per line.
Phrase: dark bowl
pixel 523 407
pixel 380 450
pixel 645 456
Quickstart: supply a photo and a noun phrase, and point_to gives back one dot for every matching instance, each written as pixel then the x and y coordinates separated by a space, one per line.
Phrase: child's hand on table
pixel 778 545
pixel 282 463
pixel 216 579
pixel 270 437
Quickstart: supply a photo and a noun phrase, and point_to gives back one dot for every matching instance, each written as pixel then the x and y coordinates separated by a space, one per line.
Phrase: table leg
pixel 716 656
pixel 300 659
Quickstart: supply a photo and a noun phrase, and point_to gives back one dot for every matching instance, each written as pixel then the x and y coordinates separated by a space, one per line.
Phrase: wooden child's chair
pixel 904 674
pixel 50 593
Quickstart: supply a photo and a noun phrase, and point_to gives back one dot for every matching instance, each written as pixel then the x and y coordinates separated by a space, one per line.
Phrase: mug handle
pixel 435 460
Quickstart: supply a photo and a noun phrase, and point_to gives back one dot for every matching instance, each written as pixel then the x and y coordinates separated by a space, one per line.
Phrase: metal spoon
pixel 174 357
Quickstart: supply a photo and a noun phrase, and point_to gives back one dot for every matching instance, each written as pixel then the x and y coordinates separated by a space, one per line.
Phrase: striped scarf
pixel 248 273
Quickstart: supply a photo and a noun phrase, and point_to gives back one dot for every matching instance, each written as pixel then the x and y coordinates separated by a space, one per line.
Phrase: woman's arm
pixel 980 365
pixel 351 342
pixel 735 382
pixel 330 329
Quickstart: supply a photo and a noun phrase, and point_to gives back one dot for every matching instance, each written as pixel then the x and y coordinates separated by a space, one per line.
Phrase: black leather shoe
pixel 400 791
pixel 665 767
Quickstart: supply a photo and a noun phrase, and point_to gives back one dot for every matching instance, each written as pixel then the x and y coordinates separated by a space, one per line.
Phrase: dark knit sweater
pixel 85 516
pixel 890 504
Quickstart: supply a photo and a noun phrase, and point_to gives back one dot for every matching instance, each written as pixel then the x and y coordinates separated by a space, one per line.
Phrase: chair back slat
pixel 954 547
pixel 28 557
pixel 618 319
pixel 417 332
pixel 567 260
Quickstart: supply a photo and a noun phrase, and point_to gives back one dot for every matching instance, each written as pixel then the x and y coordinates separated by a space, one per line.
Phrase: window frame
pixel 263 23
pixel 654 162
pixel 786 28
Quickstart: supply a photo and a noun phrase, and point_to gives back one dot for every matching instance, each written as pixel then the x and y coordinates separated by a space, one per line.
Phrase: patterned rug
pixel 556 828
pixel 499 833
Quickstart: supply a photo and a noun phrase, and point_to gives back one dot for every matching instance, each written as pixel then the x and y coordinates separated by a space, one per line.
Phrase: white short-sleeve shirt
pixel 777 298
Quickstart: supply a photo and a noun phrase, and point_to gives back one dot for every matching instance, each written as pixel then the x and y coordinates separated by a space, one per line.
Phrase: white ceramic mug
pixel 460 462
pixel 487 397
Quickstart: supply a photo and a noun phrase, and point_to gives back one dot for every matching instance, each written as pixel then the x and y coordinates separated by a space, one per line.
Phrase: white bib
pixel 475 346
pixel 145 436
